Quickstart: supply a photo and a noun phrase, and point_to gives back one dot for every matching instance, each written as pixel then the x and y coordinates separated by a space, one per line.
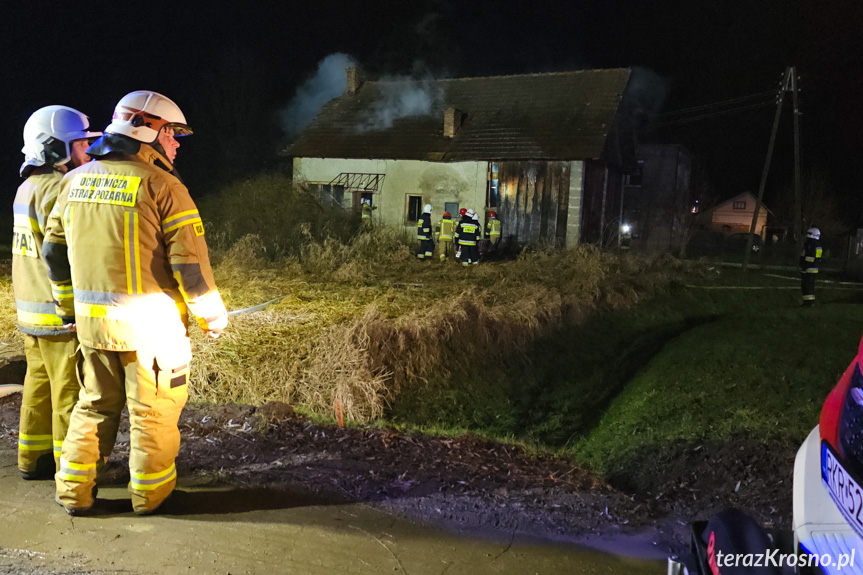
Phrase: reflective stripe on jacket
pixel 810 256
pixel 136 254
pixel 424 227
pixel 34 300
pixel 467 233
pixel 446 229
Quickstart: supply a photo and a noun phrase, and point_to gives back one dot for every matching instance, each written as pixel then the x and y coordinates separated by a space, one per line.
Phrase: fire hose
pixel 258 307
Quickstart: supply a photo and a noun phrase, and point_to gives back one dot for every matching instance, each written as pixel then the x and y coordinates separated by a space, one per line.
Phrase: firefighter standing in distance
pixel 55 141
pixel 138 263
pixel 809 259
pixel 424 234
pixel 462 214
pixel 492 231
pixel 478 234
pixel 366 212
pixel 445 230
pixel 467 233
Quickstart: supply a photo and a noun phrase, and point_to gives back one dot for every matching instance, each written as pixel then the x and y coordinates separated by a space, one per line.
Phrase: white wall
pixel 437 183
pixel 739 220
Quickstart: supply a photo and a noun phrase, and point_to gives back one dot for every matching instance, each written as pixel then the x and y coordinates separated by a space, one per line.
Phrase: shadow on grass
pixel 558 387
pixel 583 369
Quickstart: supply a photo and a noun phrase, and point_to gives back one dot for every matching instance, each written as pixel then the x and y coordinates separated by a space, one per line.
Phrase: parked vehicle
pixel 827 520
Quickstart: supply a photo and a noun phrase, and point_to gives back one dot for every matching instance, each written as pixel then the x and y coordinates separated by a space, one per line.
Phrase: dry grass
pixel 11 339
pixel 282 215
pixel 363 320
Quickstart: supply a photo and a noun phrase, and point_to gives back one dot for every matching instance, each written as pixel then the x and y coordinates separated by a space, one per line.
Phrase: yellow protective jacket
pixel 446 229
pixel 37 314
pixel 136 256
pixel 492 228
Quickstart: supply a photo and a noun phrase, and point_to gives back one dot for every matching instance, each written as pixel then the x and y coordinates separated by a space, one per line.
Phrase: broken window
pixel 414 208
pixel 637 175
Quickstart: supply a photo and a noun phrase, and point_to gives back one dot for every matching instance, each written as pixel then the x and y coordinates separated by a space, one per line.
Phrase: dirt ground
pixel 468 482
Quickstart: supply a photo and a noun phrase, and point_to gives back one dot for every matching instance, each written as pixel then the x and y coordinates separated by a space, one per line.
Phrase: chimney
pixel 452 119
pixel 354 80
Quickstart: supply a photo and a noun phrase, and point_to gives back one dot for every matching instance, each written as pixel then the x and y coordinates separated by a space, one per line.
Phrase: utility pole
pixel 798 200
pixel 786 78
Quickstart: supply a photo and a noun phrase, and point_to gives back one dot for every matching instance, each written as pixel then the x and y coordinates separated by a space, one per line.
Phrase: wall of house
pixel 461 183
pixel 659 207
pixel 599 201
pixel 726 219
pixel 535 200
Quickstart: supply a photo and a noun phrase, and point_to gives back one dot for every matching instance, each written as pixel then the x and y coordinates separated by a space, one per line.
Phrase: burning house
pixel 546 152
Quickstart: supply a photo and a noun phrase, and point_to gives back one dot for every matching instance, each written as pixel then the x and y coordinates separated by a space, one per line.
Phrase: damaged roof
pixel 556 116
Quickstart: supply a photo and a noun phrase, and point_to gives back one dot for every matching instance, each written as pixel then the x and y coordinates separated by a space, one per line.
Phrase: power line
pixel 720 103
pixel 717 113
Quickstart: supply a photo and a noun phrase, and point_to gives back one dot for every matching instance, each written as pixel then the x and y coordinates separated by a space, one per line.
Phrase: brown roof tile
pixel 557 116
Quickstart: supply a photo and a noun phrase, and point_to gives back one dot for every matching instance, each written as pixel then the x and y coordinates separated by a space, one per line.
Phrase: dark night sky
pixel 230 66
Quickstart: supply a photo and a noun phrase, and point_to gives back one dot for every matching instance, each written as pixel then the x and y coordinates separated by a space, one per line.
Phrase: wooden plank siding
pixel 534 201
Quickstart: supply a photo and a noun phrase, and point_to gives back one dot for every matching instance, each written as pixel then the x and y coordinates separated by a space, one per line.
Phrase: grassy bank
pixel 759 367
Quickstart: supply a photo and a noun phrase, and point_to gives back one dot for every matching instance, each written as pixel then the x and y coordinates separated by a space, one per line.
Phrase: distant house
pixel 658 203
pixel 735 216
pixel 544 151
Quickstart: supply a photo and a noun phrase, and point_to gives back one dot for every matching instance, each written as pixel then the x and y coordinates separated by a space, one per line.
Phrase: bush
pixel 283 215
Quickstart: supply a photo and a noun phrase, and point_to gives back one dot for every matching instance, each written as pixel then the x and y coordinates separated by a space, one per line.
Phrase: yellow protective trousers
pixel 155 399
pixel 445 248
pixel 50 392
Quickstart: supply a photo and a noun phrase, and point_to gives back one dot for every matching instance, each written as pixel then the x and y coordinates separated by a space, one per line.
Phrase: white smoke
pixel 330 81
pixel 400 97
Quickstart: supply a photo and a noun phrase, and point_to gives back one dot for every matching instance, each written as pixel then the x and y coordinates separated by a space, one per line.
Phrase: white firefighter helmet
pixel 427 209
pixel 49 132
pixel 813 233
pixel 471 214
pixel 141 115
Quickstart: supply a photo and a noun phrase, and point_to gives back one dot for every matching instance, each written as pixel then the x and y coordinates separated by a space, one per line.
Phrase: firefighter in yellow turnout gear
pixel 127 236
pixel 445 232
pixel 55 140
pixel 493 231
pixel 366 212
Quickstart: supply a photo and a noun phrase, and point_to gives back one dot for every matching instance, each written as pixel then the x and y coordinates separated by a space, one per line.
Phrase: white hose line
pixel 10 388
pixel 258 307
pixel 831 288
